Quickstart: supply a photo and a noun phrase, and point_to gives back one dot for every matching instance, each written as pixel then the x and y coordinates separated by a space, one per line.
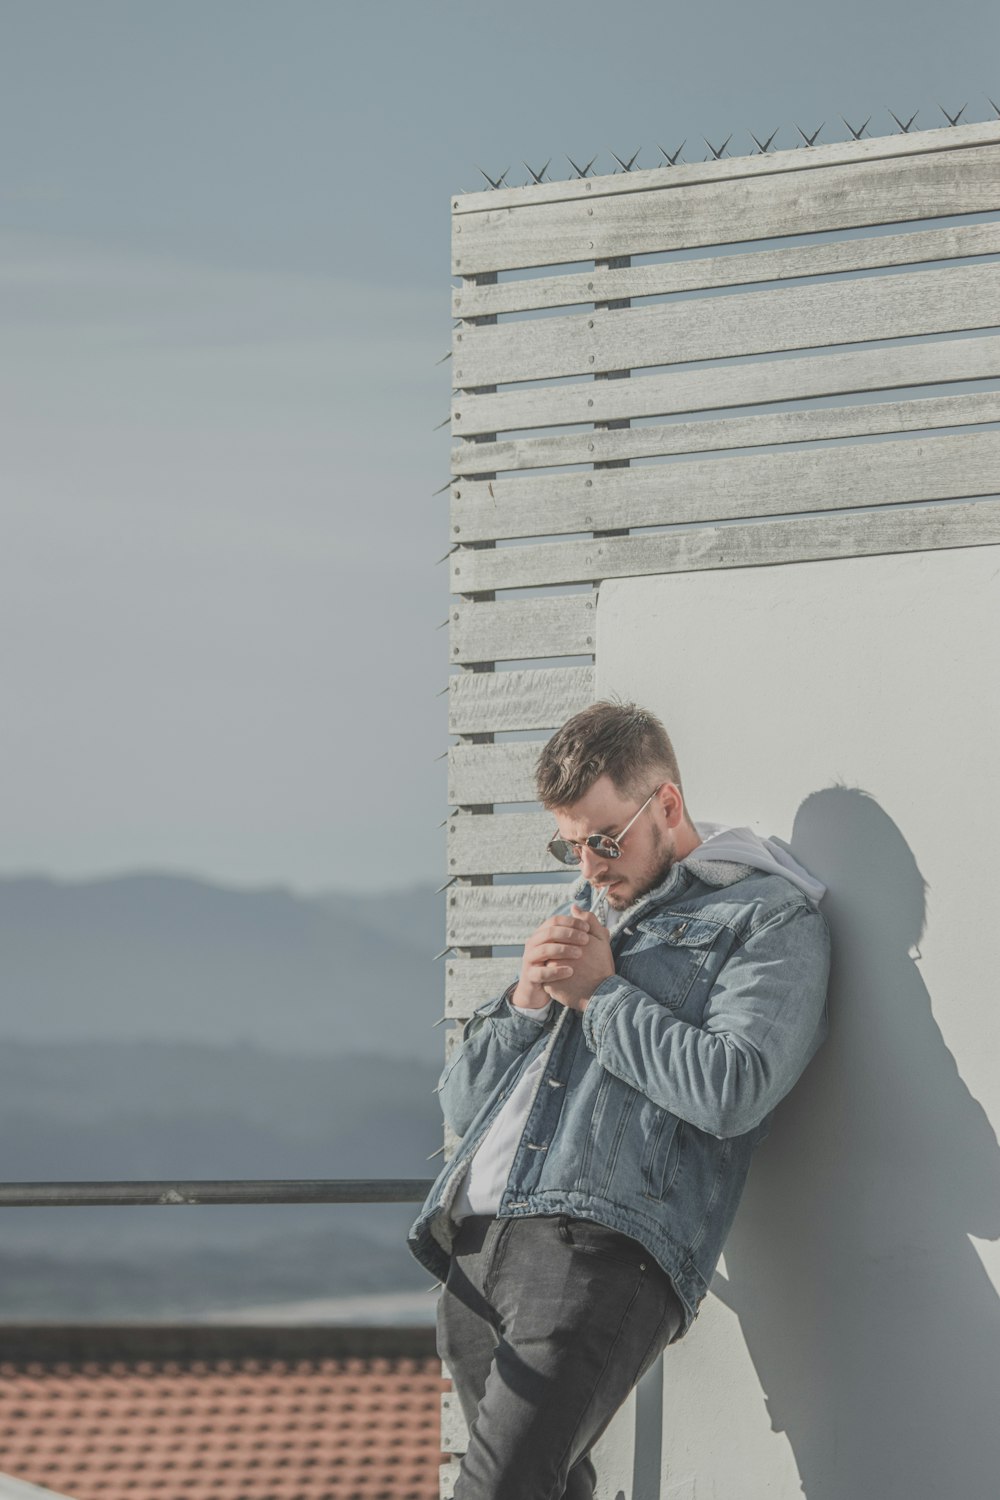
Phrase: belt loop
pixel 564 1234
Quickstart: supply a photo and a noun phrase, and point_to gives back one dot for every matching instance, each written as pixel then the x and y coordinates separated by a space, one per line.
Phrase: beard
pixel 662 859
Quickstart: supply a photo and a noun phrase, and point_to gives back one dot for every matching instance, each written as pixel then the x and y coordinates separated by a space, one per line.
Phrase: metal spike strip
pixel 859 132
pixel 762 146
pixel 717 151
pixel 583 171
pixel 810 140
pixel 496 182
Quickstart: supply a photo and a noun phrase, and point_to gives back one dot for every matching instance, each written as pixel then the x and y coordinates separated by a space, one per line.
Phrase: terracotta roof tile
pixel 209 1429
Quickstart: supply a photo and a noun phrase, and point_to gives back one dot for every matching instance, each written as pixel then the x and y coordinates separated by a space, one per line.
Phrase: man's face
pixel 648 848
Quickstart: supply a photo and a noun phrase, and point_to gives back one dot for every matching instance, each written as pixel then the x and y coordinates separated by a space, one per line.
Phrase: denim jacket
pixel 651 1100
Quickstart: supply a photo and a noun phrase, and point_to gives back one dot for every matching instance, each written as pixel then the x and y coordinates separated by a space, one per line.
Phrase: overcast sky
pixel 224 230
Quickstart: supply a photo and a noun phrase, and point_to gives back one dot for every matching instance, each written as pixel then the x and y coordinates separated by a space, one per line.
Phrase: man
pixel 608 1104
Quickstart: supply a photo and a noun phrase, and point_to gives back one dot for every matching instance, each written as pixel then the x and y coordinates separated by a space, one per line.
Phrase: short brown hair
pixel 619 740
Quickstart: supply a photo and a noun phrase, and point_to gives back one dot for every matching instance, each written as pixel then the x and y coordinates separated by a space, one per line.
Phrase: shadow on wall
pixel 869 1317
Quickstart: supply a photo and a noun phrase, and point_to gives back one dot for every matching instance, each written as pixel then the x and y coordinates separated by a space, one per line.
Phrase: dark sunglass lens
pixel 566 853
pixel 605 846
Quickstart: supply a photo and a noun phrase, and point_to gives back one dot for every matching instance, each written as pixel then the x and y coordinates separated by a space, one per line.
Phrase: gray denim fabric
pixel 546 1324
pixel 650 1104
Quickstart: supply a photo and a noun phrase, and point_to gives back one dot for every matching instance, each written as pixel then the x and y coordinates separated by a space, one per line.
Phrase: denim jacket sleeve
pixel 764 1019
pixel 495 1037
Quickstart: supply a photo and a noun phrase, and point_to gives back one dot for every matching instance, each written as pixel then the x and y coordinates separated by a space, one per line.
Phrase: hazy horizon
pixel 387 888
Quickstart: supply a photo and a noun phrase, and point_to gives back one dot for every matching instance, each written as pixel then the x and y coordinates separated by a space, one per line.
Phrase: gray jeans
pixel 546 1324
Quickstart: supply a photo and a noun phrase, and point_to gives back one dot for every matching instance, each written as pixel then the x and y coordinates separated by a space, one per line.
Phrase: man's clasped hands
pixel 564 960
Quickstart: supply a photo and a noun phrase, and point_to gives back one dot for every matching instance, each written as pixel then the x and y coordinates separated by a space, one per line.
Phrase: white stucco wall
pixel 852 1349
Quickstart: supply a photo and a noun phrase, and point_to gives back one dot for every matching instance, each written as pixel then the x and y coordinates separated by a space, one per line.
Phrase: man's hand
pixel 595 964
pixel 550 955
pixel 565 960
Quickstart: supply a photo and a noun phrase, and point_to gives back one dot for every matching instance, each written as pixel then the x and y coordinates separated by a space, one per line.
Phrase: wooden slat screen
pixel 650 213
pixel 660 411
pixel 766 322
pixel 726 385
pixel 690 392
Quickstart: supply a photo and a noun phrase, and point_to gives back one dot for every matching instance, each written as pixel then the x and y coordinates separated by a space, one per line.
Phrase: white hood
pixel 741 846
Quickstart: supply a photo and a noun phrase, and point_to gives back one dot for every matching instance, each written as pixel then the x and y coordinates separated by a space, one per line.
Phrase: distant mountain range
pixel 160 1027
pixel 168 958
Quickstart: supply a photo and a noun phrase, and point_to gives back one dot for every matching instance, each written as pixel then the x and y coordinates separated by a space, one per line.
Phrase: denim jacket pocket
pixel 609 1123
pixel 668 955
pixel 661 1155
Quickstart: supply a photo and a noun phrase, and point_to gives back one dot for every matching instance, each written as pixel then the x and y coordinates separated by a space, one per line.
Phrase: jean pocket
pixel 595 1239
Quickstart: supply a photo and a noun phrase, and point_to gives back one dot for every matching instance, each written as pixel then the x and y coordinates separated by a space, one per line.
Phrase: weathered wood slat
pixel 563 626
pixel 452 1042
pixel 674 215
pixel 454 1432
pixel 507 844
pixel 448 1473
pixel 874 148
pixel 729 385
pixel 483 915
pixel 663 279
pixel 802 317
pixel 490 702
pixel 795 426
pixel 470 982
pixel 909 470
pixel 799 539
pixel 479 774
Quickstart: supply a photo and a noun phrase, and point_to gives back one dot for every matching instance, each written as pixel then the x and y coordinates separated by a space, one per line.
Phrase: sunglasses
pixel 567 851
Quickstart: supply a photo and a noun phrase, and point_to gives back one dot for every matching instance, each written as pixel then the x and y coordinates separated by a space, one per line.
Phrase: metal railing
pixel 205 1191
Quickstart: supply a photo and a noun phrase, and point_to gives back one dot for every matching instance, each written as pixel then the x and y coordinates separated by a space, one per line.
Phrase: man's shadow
pixel 868 1315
